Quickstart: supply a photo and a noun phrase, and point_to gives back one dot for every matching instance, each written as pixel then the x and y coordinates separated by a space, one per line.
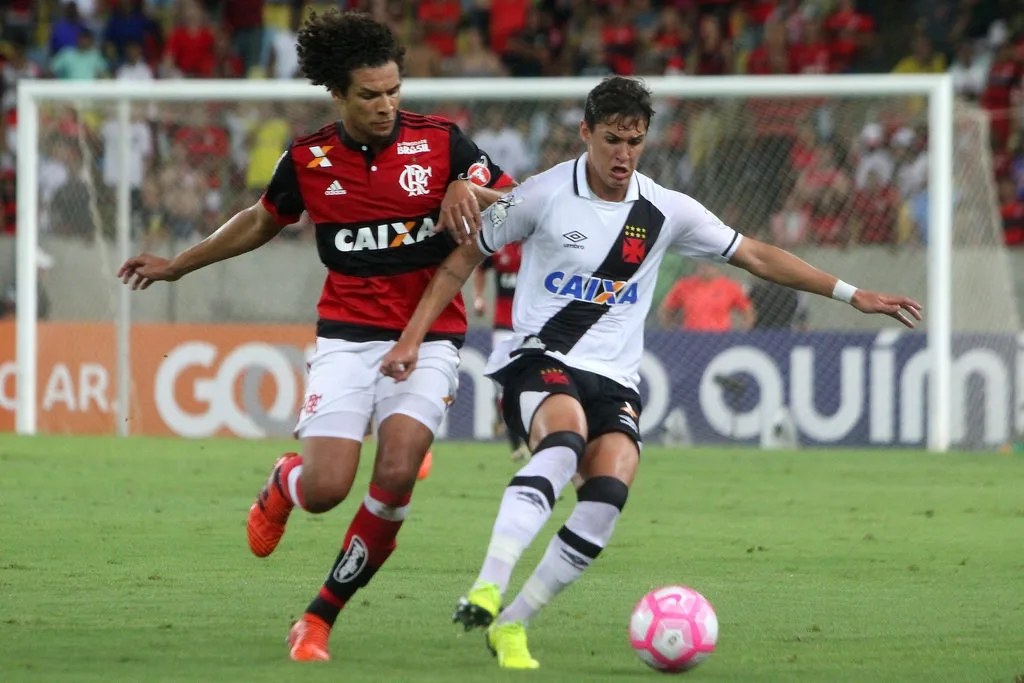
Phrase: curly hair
pixel 333 44
pixel 618 98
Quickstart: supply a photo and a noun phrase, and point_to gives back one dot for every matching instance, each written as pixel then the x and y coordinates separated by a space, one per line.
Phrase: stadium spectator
pixel 1001 90
pixel 140 142
pixel 134 67
pixel 875 212
pixel 773 55
pixel 776 307
pixel 184 190
pixel 1012 212
pixel 590 58
pixel 222 62
pixel 473 59
pixel 82 62
pixel 824 174
pixel 271 135
pixel 439 20
pixel 283 58
pixel 923 59
pixel 874 158
pixel 672 38
pixel 71 207
pixel 424 59
pixel 911 157
pixel 504 142
pixel 970 74
pixel 506 18
pixel 65 31
pixel 705 302
pixel 791 225
pixel 127 25
pixel 813 55
pixel 620 38
pixel 528 52
pixel 243 20
pixel 190 46
pixel 830 219
pixel 712 55
pixel 16 67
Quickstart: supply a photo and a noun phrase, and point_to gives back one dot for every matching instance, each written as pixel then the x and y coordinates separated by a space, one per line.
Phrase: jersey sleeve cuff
pixel 503 181
pixel 733 245
pixel 282 219
pixel 482 245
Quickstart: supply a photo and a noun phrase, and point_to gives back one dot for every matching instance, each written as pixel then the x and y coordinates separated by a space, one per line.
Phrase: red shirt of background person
pixel 190 45
pixel 830 220
pixel 875 212
pixel 847 18
pixel 1011 208
pixel 772 56
pixel 706 300
pixel 508 17
pixel 440 20
pixel 1004 83
pixel 814 54
pixel 619 38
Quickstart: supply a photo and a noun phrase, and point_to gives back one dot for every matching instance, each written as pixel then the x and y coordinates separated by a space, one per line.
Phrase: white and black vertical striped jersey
pixel 589 266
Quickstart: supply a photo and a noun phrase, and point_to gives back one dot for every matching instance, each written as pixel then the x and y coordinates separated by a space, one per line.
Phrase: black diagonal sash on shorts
pixel 568 326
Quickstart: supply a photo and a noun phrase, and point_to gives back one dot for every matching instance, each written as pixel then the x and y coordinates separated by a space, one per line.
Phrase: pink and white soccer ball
pixel 673 629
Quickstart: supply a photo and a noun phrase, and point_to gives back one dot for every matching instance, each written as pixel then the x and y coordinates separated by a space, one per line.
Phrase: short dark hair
pixel 334 44
pixel 618 98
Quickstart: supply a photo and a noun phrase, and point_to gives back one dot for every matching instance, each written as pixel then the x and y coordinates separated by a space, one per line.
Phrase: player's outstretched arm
pixel 243 232
pixel 781 267
pixel 442 288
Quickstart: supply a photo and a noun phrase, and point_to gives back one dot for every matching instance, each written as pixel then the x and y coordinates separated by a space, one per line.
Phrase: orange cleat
pixel 428 462
pixel 269 513
pixel 308 639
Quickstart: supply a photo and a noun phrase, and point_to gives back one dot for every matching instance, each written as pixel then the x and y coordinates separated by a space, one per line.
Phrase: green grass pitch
pixel 126 560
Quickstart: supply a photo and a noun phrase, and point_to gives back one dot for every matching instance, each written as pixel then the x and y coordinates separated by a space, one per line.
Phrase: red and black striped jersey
pixel 374 216
pixel 505 264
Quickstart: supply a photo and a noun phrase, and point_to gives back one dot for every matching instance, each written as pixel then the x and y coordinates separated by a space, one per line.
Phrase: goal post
pixel 33 96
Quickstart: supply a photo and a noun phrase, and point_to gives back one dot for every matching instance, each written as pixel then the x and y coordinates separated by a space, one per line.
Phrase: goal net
pixel 874 180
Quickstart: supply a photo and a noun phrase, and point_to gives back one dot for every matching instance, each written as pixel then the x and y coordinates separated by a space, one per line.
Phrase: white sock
pixel 525 508
pixel 292 485
pixel 571 551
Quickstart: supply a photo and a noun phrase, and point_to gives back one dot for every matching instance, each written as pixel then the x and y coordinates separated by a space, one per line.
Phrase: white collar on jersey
pixel 582 188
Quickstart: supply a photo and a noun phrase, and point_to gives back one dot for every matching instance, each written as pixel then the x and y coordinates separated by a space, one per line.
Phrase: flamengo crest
pixel 415 180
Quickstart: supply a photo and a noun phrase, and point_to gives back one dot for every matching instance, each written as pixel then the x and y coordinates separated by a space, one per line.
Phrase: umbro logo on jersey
pixel 574 238
pixel 320 159
pixel 591 289
pixel 335 188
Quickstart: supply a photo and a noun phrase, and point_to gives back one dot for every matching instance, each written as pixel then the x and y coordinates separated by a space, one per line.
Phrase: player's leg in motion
pixel 608 468
pixel 557 434
pixel 409 413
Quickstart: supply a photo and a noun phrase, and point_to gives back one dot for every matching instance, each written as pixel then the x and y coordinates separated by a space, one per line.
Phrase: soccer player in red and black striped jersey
pixel 505 264
pixel 390 193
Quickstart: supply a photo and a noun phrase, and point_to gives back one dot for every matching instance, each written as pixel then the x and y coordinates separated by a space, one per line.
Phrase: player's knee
pixel 608 490
pixel 566 439
pixel 396 466
pixel 322 493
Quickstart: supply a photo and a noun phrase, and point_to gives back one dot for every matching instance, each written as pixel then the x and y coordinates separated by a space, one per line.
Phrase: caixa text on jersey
pixel 592 289
pixel 384 236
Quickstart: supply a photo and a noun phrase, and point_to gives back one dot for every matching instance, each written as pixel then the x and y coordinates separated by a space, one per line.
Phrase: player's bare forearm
pixel 442 288
pixel 485 196
pixel 781 267
pixel 246 230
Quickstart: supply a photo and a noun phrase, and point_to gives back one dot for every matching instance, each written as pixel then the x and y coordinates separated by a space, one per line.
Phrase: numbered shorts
pixel 527 381
pixel 345 388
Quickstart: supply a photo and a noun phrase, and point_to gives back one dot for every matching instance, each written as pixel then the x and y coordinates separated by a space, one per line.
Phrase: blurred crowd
pixel 819 172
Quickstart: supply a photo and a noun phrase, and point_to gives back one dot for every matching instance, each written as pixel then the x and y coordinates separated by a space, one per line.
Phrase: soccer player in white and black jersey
pixel 594 232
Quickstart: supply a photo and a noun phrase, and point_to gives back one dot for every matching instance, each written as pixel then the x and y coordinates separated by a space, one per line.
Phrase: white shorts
pixel 498 336
pixel 345 388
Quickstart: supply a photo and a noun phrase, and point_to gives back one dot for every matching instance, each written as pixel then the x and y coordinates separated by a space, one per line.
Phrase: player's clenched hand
pixel 460 212
pixel 139 272
pixel 907 311
pixel 400 361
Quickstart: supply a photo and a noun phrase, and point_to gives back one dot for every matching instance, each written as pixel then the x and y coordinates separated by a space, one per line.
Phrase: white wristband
pixel 843 291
